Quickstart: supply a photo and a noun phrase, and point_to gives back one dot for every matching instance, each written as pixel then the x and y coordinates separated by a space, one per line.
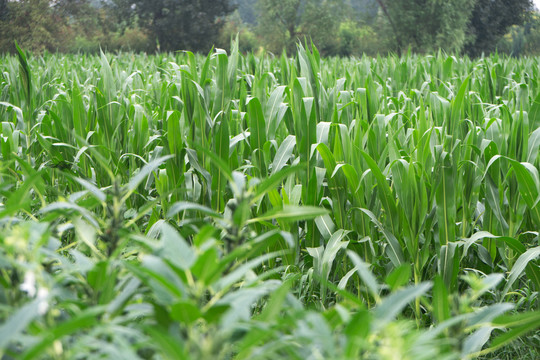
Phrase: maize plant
pixel 234 206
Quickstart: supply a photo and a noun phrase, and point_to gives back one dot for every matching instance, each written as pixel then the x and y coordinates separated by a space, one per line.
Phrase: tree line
pixel 337 27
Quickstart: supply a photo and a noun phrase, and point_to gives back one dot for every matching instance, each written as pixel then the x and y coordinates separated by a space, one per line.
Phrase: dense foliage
pixel 229 206
pixel 427 25
pixel 337 27
pixel 180 24
pixel 67 26
pixel 454 25
pixel 490 21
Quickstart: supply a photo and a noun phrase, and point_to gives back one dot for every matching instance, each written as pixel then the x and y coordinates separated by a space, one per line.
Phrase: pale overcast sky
pixel 537 3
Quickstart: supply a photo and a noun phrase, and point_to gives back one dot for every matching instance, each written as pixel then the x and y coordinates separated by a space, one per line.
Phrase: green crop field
pixel 178 206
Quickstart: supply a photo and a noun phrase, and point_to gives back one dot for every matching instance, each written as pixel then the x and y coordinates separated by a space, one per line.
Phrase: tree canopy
pixel 337 27
pixel 491 20
pixel 34 23
pixel 425 25
pixel 287 21
pixel 181 24
pixel 453 25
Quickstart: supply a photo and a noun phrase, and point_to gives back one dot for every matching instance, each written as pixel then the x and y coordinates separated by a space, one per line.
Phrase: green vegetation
pixel 454 25
pixel 254 207
pixel 336 27
pixel 180 24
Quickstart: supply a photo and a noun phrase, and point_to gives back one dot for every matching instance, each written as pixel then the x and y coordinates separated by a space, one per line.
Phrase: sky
pixel 537 3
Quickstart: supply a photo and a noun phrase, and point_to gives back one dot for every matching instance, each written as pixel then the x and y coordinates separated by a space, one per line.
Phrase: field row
pixel 235 206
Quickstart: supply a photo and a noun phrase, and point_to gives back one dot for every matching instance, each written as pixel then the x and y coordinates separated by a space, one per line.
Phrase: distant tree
pixel 234 28
pixel 180 24
pixel 35 24
pixel 3 23
pixel 247 10
pixel 278 23
pixel 320 23
pixel 82 16
pixel 73 8
pixel 426 25
pixel 491 20
pixel 281 23
pixel 3 9
pixel 365 8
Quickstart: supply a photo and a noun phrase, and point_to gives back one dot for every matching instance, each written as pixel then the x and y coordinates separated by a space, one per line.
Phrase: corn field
pixel 231 206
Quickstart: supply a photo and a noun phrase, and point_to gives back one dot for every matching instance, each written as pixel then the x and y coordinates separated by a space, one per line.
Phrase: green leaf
pixel 441 305
pixel 88 215
pixel 145 171
pixel 325 225
pixel 520 265
pixel 20 200
pixel 291 213
pixel 176 249
pixel 394 250
pixel 18 322
pixel 275 110
pixel 171 347
pixel 241 271
pixel 399 276
pixel 94 190
pixel 519 325
pixel 284 153
pixel 275 304
pixel 529 186
pixel 392 305
pixel 385 193
pixel 24 72
pixel 446 201
pixel 272 182
pixel 512 243
pixel 123 296
pixel 474 342
pixel 184 205
pixel 448 263
pixel 257 126
pixel 534 113
pixel 185 312
pixel 83 320
pixel 365 274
